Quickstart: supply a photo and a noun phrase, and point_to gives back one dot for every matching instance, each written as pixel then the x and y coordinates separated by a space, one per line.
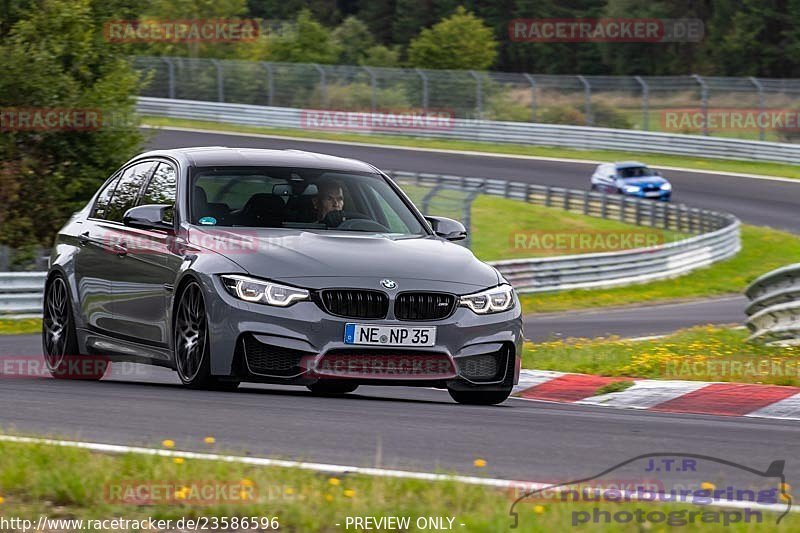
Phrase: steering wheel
pixel 362 224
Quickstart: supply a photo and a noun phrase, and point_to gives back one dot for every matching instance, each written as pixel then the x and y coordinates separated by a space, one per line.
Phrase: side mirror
pixel 656 172
pixel 450 229
pixel 148 217
pixel 612 176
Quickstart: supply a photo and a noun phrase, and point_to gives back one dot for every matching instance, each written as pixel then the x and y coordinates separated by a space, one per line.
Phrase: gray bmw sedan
pixel 276 266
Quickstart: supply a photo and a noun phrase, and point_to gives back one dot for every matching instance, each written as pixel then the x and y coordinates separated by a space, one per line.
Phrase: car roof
pixel 628 164
pixel 210 156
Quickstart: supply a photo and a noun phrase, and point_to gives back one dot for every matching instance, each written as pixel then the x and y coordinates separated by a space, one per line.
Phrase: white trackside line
pixel 522 486
pixel 462 152
pixel 786 409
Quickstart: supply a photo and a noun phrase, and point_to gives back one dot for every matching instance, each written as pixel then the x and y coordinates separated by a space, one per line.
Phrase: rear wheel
pixel 59 340
pixel 192 353
pixel 479 397
pixel 332 387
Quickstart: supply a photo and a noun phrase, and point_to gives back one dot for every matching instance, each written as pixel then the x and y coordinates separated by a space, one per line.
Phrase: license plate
pixel 652 194
pixel 389 335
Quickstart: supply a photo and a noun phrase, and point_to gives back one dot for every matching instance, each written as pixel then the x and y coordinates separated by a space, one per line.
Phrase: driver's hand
pixel 333 218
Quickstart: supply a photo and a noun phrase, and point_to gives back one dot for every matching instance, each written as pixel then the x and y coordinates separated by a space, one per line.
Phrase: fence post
pixel 220 80
pixel 170 76
pixel 532 81
pixel 270 86
pixel 587 97
pixel 424 79
pixel 703 101
pixel 374 86
pixel 645 103
pixel 478 94
pixel 760 89
pixel 547 196
pixel 323 86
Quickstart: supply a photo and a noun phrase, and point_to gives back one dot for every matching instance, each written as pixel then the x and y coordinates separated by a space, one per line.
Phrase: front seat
pixel 202 207
pixel 263 210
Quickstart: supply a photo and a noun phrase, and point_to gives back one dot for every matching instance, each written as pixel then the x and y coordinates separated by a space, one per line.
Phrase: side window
pixel 101 205
pixel 162 189
pixel 127 190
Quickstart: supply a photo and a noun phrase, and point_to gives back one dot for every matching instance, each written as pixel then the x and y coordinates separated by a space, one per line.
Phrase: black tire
pixel 59 339
pixel 191 346
pixel 332 387
pixel 479 397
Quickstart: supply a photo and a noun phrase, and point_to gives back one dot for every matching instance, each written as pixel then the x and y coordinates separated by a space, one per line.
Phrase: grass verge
pixel 704 353
pixel 746 167
pixel 20 326
pixel 67 483
pixel 763 249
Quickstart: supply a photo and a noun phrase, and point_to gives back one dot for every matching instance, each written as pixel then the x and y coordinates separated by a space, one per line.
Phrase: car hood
pixel 641 182
pixel 316 260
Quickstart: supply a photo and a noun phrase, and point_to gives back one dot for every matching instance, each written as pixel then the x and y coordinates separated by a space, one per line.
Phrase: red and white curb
pixel 695 397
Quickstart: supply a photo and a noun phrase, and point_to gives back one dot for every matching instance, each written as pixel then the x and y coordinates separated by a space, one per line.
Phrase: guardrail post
pixel 532 81
pixel 585 203
pixel 220 80
pixel 760 89
pixel 587 100
pixel 638 213
pixel 547 196
pixel 703 101
pixel 566 200
pixel 623 205
pixel 604 206
pixel 170 76
pixel 270 82
pixel 478 94
pixel 424 79
pixel 527 192
pixel 645 103
pixel 323 85
pixel 374 85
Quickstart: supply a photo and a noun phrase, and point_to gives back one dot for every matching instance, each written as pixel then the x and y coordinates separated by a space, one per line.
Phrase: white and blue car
pixel 631 178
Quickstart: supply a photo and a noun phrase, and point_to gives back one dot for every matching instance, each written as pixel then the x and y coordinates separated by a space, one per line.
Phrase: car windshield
pixel 635 172
pixel 300 198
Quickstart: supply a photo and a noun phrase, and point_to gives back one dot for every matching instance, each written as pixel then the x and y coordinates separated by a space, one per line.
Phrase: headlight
pixel 264 292
pixel 666 186
pixel 493 300
pixel 632 188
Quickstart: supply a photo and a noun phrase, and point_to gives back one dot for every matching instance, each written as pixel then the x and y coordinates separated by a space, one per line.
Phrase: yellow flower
pixel 785 487
pixel 328 498
pixel 289 490
pixel 334 481
pixel 209 440
pixel 247 482
pixel 349 493
pixel 707 485
pixel 538 509
pixel 178 460
pixel 2 500
pixel 244 495
pixel 479 463
pixel 168 443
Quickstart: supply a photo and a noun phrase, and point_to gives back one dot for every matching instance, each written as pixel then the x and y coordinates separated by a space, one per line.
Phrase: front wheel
pixel 192 352
pixel 479 397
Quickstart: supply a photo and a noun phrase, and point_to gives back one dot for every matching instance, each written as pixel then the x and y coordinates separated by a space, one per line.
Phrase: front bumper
pixel 651 195
pixel 310 339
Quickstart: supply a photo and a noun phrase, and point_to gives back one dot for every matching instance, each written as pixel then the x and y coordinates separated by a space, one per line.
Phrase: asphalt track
pixel 412 429
pixel 422 429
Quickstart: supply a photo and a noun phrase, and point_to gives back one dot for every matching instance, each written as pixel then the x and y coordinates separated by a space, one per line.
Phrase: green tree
pixel 54 56
pixel 354 39
pixel 461 41
pixel 303 41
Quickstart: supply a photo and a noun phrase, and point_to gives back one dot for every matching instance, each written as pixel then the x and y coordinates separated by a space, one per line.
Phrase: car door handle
pixel 83 238
pixel 121 249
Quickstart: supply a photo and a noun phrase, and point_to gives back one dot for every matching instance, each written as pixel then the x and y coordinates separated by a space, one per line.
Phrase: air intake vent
pixel 423 305
pixel 355 303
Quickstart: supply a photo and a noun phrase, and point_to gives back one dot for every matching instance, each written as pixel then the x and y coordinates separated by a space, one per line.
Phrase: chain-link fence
pixel 756 108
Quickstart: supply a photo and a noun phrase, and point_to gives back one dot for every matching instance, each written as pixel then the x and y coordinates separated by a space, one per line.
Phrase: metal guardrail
pixel 21 292
pixel 716 237
pixel 774 310
pixel 579 137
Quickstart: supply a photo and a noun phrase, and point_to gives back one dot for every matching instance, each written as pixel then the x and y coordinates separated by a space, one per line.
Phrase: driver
pixel 329 203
